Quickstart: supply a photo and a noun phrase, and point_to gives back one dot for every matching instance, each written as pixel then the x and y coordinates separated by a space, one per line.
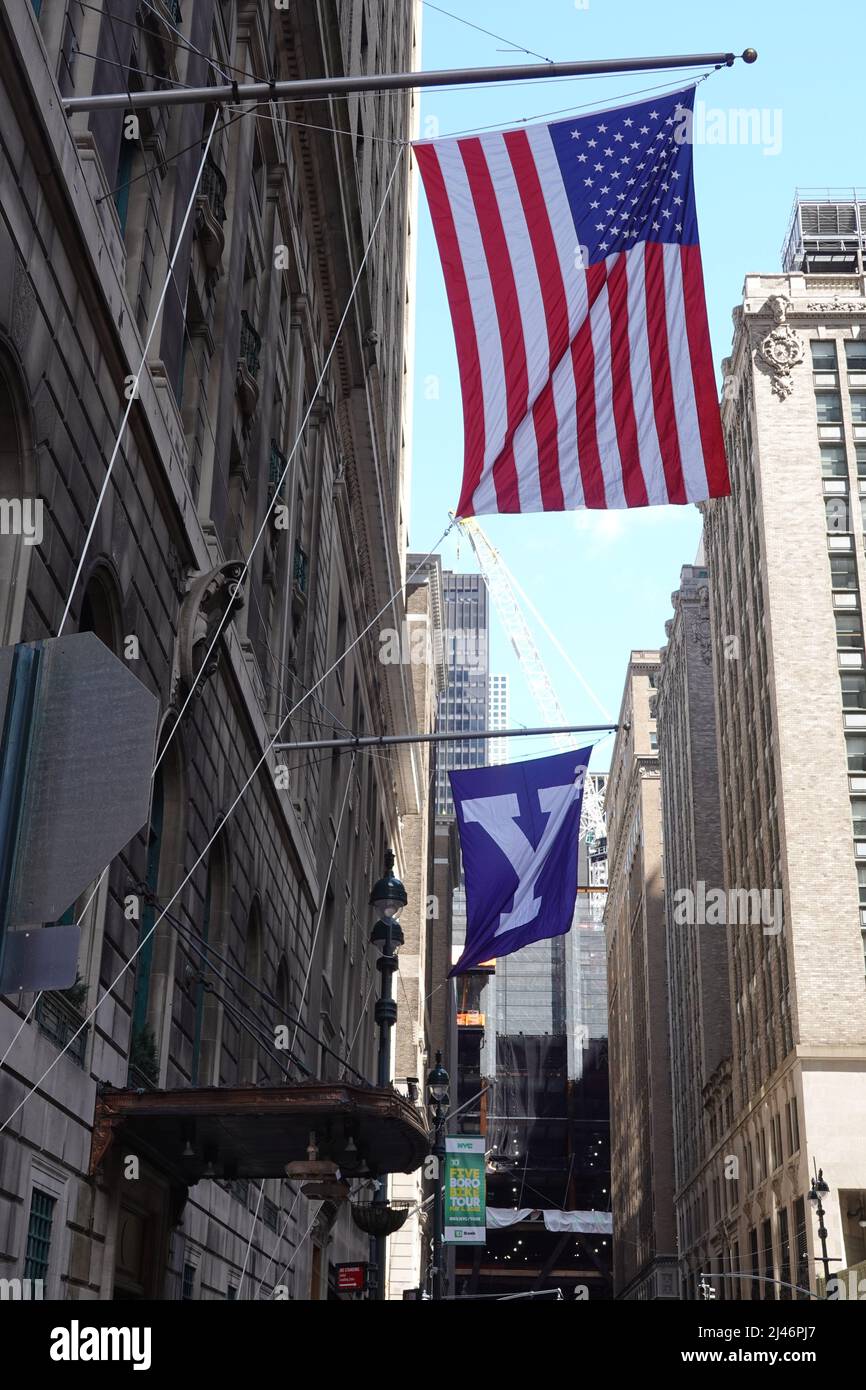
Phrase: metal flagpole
pixel 392 740
pixel 306 89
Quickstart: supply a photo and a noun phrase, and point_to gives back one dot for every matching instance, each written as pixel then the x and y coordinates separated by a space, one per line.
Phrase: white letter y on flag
pixel 497 815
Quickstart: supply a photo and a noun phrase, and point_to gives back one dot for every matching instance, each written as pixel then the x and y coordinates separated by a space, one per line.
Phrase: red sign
pixel 351 1278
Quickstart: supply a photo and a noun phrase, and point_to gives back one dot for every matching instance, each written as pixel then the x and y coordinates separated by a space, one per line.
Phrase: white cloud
pixel 606 527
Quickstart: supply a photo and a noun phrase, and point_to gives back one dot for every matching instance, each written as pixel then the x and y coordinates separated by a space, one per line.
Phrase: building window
pixel 849 631
pixel 801 1245
pixel 836 509
pixel 231 1293
pixel 39 1234
pixel 829 407
pixel 776 1139
pixel 207 1029
pixel 861 883
pixel 754 1283
pixel 768 1287
pixel 188 1290
pixel 258 173
pixel 843 572
pixel 858 407
pixel 853 690
pixel 823 355
pixel 855 355
pixel 784 1254
pixel 143 1057
pixel 858 812
pixel 834 464
pixel 856 745
pixel 795 1127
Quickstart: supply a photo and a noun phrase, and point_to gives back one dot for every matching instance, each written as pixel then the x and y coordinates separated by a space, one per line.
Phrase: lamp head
pixel 438 1082
pixel 388 896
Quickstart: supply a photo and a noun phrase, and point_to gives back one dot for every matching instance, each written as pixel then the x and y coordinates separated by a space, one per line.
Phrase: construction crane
pixel 505 591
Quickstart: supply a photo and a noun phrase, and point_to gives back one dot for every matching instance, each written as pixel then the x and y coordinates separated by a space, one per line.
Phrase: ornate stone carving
pixel 836 306
pixel 212 597
pixel 701 639
pixel 176 568
pixel 782 349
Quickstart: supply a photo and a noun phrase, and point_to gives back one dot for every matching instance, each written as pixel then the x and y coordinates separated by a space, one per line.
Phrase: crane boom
pixel 501 588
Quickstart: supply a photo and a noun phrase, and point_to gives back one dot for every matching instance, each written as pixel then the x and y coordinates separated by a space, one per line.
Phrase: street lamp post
pixel 437 1096
pixel 388 898
pixel 818 1190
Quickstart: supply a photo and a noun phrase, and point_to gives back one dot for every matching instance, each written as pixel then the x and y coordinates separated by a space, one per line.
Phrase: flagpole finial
pixel 750 55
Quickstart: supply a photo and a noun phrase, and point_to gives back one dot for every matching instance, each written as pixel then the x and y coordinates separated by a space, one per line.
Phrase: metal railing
pixel 852 201
pixel 276 468
pixel 214 187
pixel 251 344
pixel 301 569
pixel 59 1022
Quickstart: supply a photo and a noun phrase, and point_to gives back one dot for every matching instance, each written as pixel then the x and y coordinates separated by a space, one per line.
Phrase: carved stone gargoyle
pixel 213 601
pixel 782 349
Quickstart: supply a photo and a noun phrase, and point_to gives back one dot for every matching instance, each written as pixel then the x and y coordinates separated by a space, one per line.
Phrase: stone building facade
pixel 696 931
pixel 786 581
pixel 416 1039
pixel 93 208
pixel 641 1162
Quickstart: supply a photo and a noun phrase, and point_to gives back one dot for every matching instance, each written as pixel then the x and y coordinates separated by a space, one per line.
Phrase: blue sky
pixel 603 580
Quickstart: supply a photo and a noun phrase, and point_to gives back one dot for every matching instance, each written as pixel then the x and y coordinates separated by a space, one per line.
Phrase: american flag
pixel 573 270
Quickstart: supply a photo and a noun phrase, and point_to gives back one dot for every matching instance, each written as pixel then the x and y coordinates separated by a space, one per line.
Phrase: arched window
pixel 100 609
pixel 18 489
pixel 250 1068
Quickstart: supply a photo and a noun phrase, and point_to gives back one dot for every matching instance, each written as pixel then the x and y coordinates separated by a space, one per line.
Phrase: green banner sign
pixel 465 1191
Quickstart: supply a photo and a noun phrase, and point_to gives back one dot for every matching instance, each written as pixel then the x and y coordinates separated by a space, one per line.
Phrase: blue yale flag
pixel 519 827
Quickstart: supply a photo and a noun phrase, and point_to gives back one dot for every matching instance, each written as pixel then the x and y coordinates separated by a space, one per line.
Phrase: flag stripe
pixel 634 486
pixel 565 407
pixel 510 326
pixel 546 428
pixel 489 407
pixel 461 312
pixel 605 423
pixel 662 391
pixel 583 362
pixel 697 327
